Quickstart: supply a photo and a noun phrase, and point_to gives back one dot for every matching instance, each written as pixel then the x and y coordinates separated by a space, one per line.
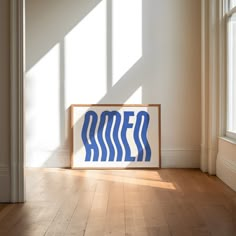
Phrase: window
pixel 231 75
pixel 232 3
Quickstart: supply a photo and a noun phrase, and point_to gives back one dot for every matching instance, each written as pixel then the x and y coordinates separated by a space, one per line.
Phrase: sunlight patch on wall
pixel 85 59
pixel 42 101
pixel 127 36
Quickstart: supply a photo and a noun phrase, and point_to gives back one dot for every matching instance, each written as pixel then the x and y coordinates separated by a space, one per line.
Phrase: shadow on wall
pixel 120 51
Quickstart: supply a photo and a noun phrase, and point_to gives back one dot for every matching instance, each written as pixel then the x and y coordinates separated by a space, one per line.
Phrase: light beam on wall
pixel 86 58
pixel 42 100
pixel 126 35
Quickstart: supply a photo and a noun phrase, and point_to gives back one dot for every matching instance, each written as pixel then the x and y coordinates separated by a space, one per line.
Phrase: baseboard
pixel 180 158
pixel 5 184
pixel 4 171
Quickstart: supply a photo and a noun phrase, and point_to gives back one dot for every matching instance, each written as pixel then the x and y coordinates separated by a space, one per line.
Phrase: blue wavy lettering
pixel 127 125
pixel 91 143
pixel 107 119
pixel 146 118
pixel 113 116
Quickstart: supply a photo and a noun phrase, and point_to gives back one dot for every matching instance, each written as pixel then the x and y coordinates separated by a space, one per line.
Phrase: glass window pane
pixel 232 3
pixel 232 74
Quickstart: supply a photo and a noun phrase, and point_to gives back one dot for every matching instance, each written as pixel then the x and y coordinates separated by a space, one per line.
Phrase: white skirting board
pixel 226 163
pixel 170 158
pixel 5 184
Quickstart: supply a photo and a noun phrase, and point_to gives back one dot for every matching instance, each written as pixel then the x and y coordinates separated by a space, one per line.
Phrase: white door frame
pixel 17 70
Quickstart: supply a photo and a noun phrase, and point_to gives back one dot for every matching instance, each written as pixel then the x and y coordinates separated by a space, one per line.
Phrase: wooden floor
pixel 123 202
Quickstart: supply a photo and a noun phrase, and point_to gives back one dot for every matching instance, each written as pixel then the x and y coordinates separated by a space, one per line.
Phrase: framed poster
pixel 115 136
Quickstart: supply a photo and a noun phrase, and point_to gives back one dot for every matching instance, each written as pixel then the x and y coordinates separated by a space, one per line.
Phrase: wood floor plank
pixel 166 202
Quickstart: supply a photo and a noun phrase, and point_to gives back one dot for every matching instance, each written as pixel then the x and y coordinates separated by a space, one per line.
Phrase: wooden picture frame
pixel 115 136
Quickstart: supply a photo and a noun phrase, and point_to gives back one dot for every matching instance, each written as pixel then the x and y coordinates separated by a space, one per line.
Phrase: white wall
pixel 4 101
pixel 120 51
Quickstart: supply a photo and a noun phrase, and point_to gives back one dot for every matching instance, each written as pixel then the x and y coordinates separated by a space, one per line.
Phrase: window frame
pixel 231 10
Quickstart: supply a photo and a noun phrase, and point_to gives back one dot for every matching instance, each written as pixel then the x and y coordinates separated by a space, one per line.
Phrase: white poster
pixel 115 136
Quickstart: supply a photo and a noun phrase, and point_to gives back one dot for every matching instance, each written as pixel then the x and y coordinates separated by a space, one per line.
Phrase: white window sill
pixel 227 139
